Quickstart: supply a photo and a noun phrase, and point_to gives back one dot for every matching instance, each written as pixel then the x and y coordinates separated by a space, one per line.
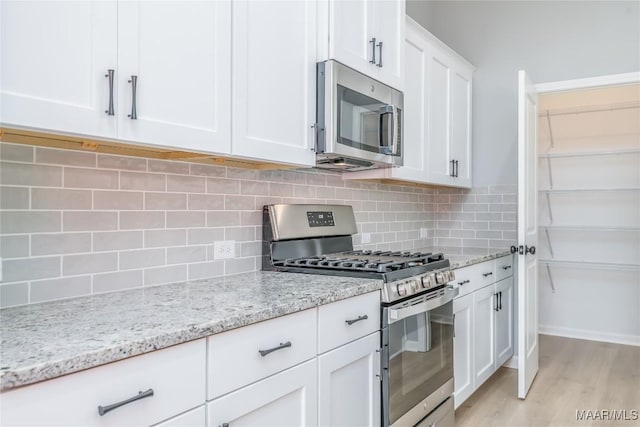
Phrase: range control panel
pixel 320 219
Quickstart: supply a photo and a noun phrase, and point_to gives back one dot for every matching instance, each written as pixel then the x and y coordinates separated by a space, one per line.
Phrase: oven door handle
pixel 425 306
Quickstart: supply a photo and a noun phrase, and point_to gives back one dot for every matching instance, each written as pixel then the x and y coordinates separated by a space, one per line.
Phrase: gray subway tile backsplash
pixel 123 222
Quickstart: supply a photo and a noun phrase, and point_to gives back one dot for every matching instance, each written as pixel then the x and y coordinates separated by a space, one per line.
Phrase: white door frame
pixel 578 84
pixel 589 82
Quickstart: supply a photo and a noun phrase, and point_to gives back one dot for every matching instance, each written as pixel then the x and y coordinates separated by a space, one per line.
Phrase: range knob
pixel 440 278
pixel 415 286
pixel 452 276
pixel 428 281
pixel 402 289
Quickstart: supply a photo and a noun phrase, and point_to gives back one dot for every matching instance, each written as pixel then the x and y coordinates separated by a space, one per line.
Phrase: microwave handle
pixel 388 143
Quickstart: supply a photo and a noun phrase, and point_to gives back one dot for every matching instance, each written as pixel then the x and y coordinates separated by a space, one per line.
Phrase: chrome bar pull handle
pixel 110 111
pixel 456 164
pixel 263 353
pixel 359 318
pixel 102 410
pixel 134 88
pixel 453 168
pixel 373 50
pixel 379 64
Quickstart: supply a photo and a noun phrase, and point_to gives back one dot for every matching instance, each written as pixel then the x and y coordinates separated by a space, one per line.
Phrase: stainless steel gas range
pixel 416 307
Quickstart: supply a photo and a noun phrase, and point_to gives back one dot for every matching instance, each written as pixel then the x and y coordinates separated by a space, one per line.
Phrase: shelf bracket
pixel 546 233
pixel 553 287
pixel 550 172
pixel 549 208
pixel 550 130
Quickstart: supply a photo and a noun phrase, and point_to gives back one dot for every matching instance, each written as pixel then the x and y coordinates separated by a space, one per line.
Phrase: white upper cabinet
pixel 274 78
pixel 368 35
pixel 437 114
pixel 55 57
pixel 178 52
pixel 449 117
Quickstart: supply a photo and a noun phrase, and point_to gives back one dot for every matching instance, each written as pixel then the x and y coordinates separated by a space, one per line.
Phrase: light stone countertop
pixel 51 339
pixel 47 340
pixel 464 257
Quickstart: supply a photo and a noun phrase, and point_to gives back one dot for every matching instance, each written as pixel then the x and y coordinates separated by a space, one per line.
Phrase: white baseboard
pixel 584 334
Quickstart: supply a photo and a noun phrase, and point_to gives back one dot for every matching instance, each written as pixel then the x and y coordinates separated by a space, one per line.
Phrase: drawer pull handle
pixel 487 274
pixel 263 353
pixel 464 282
pixel 141 395
pixel 352 321
pixel 506 267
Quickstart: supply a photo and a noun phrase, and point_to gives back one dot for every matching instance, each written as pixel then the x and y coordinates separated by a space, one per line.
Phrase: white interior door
pixel 527 234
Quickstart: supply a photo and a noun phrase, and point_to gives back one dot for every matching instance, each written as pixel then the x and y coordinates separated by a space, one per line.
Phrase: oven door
pixel 418 356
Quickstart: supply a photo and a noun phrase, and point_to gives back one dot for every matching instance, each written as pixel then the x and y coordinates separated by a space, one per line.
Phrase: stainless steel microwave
pixel 359 120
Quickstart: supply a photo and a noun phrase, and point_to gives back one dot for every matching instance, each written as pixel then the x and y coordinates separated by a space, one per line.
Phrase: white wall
pixel 551 40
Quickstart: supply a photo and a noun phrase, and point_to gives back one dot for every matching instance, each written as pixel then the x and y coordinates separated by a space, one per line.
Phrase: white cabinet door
pixel 368 36
pixel 194 418
pixel 349 384
pixel 351 33
pixel 179 52
pixel 55 56
pixel 460 150
pixel 463 348
pixel 504 321
pixel 440 169
pixel 415 107
pixel 449 118
pixel 286 399
pixel 389 29
pixel 274 77
pixel 484 305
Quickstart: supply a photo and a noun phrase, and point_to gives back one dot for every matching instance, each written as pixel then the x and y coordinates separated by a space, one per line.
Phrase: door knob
pixel 530 249
pixel 518 249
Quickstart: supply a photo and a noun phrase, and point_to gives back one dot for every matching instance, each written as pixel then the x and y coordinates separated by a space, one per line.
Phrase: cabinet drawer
pixel 504 267
pixel 176 375
pixel 235 357
pixel 347 320
pixel 474 277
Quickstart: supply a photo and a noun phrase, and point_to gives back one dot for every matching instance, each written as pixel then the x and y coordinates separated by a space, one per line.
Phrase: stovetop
pixel 365 261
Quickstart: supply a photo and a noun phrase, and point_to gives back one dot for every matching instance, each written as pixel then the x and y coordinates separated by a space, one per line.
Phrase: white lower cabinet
pixel 504 321
pixel 483 339
pixel 176 375
pixel 286 399
pixel 349 384
pixel 463 348
pixel 484 303
pixel 196 417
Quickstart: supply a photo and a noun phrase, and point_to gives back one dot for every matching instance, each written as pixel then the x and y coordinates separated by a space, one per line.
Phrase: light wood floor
pixel 574 374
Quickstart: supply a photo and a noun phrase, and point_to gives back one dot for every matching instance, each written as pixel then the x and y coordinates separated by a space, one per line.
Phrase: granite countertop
pixel 464 257
pixel 47 340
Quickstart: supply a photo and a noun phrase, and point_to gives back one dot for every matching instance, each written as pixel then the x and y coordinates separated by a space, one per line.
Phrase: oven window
pixel 420 358
pixel 359 120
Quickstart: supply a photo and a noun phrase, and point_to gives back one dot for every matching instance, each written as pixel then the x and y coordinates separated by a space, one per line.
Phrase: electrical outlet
pixel 424 233
pixel 224 249
pixel 366 238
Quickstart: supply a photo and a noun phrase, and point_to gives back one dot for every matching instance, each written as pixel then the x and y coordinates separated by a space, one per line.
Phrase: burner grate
pixel 367 261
